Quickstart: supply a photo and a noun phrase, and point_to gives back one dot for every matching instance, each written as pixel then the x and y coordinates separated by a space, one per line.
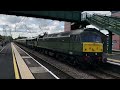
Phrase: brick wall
pixel 116 38
pixel 116 14
pixel 67 26
pixel 116 42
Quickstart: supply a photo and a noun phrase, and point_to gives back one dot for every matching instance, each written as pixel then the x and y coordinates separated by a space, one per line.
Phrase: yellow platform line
pixel 113 60
pixel 25 72
pixel 15 65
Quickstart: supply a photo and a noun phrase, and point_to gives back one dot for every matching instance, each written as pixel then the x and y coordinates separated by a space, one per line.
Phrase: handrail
pixel 103 21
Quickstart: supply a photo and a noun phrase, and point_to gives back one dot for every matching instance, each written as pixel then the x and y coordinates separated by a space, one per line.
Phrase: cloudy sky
pixel 30 27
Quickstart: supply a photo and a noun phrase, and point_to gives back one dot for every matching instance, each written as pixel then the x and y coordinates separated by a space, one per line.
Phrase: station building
pixel 115 37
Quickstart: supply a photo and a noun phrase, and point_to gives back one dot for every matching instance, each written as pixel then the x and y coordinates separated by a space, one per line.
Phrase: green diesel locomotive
pixel 89 45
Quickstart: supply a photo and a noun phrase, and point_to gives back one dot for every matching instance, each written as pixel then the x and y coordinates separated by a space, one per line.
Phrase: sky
pixel 30 27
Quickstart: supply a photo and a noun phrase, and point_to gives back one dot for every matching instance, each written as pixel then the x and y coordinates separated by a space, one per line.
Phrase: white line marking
pixel 3 48
pixel 40 64
pixel 114 60
pixel 115 50
pixel 113 63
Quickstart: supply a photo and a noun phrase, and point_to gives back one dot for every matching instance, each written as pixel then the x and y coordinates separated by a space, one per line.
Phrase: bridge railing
pixel 103 21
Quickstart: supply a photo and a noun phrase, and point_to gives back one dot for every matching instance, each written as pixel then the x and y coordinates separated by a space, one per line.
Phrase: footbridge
pixel 112 24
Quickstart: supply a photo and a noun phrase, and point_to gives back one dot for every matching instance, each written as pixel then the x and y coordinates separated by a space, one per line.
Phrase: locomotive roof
pixel 21 39
pixel 26 39
pixel 68 33
pixel 30 38
pixel 61 34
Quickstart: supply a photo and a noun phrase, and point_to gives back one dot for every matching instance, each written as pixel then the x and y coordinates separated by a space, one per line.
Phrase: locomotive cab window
pixel 90 37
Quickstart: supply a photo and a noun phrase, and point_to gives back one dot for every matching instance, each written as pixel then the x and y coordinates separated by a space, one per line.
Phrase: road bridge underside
pixel 69 16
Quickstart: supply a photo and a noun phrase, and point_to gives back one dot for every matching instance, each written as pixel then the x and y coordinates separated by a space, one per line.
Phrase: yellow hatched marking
pixel 113 60
pixel 15 65
pixel 92 47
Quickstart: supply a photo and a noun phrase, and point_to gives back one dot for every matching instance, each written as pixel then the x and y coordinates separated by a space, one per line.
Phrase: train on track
pixel 82 45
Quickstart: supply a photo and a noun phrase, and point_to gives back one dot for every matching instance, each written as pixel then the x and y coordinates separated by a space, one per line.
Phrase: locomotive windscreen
pixel 90 37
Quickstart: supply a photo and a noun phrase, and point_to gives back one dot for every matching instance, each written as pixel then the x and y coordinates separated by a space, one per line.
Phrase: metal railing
pixel 103 21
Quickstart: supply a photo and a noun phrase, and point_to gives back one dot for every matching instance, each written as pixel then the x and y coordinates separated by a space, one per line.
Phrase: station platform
pixel 114 50
pixel 15 63
pixel 114 58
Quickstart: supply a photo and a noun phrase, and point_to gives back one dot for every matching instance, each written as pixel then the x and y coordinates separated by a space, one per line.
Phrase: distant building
pixel 116 42
pixel 67 26
pixel 115 37
pixel 115 13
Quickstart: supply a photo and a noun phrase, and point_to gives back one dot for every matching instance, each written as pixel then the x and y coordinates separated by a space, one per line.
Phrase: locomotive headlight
pixel 95 53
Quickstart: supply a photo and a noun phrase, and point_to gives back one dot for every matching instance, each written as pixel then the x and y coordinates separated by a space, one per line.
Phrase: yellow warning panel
pixel 92 47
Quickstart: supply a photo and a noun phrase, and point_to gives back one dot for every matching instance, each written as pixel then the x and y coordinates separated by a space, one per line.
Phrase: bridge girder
pixel 69 16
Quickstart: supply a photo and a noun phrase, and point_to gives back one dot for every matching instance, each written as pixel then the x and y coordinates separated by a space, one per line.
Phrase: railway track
pixel 110 69
pixel 65 71
pixel 97 72
pixel 103 74
pixel 62 70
